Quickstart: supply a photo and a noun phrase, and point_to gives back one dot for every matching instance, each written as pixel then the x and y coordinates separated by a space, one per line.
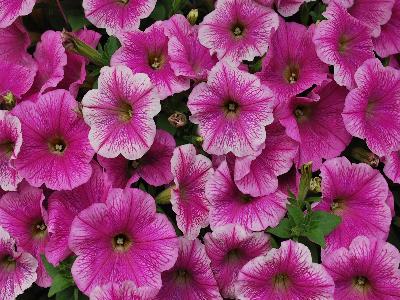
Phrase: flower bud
pixel 192 16
pixel 365 156
pixel 177 119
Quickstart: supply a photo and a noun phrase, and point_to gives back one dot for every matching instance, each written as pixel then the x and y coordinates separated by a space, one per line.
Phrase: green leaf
pixel 295 214
pixel 177 5
pixel 111 46
pixel 163 123
pixel 159 12
pixel 53 272
pixel 66 294
pixel 76 19
pixel 317 12
pixel 324 221
pixel 59 284
pixel 313 199
pixel 283 230
pixel 316 236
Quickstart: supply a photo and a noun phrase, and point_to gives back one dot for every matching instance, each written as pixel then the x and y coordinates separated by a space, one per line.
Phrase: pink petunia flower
pixel 188 198
pixel 120 113
pixel 291 65
pixel 232 110
pixel 122 291
pixel 286 8
pixel 117 16
pixel 17 268
pixel 188 57
pixel 154 167
pixel 358 194
pixel 55 149
pixel 367 270
pixel 230 206
pixel 316 123
pixel 371 110
pixel 64 206
pixel 230 247
pixel 344 42
pixel 147 52
pixel 191 277
pixel 23 216
pixel 284 273
pixel 122 239
pixel 392 166
pixel 257 175
pixel 238 30
pixel 10 145
pixel 10 10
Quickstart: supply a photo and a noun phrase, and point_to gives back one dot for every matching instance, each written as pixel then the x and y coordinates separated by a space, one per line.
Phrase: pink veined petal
pixel 10 10
pixel 392 166
pixel 122 291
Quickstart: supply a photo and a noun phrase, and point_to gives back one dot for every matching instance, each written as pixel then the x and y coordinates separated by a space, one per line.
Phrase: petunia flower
pixel 316 123
pixel 12 9
pixel 371 110
pixel 286 8
pixel 191 277
pixel 367 270
pixel 10 145
pixel 392 166
pixel 147 52
pixel 122 239
pixel 23 216
pixel 230 206
pixel 188 57
pixel 358 194
pixel 64 206
pixel 291 66
pixel 257 175
pixel 230 247
pixel 120 113
pixel 55 149
pixel 344 42
pixel 117 16
pixel 122 291
pixel 284 273
pixel 154 167
pixel 188 198
pixel 17 268
pixel 238 30
pixel 232 110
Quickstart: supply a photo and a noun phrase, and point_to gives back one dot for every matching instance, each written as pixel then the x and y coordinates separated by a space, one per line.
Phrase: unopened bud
pixel 315 184
pixel 192 16
pixel 164 197
pixel 177 119
pixel 9 100
pixel 365 156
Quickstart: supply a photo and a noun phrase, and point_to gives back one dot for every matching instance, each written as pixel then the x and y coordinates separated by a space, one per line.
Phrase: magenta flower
pixel 344 42
pixel 291 65
pixel 358 194
pixel 230 247
pixel 191 277
pixel 188 198
pixel 286 8
pixel 238 30
pixel 12 9
pixel 188 57
pixel 23 216
pixel 64 206
pixel 316 123
pixel 147 52
pixel 258 175
pixel 122 239
pixel 230 206
pixel 10 145
pixel 120 113
pixel 232 110
pixel 17 269
pixel 368 270
pixel 55 149
pixel 122 291
pixel 154 167
pixel 117 16
pixel 284 273
pixel 371 110
pixel 392 166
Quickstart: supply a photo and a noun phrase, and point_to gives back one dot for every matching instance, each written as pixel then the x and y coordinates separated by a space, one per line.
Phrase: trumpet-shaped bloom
pixel 284 273
pixel 188 198
pixel 122 239
pixel 188 57
pixel 11 10
pixel 122 291
pixel 23 216
pixel 238 30
pixel 291 65
pixel 117 16
pixel 191 277
pixel 232 110
pixel 55 149
pixel 230 247
pixel 120 113
pixel 371 110
pixel 358 194
pixel 344 42
pixel 154 167
pixel 392 166
pixel 286 8
pixel 10 145
pixel 367 270
pixel 147 52
pixel 230 206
